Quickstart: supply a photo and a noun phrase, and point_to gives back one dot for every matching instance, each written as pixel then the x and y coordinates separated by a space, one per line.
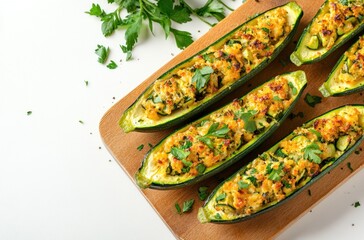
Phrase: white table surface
pixel 57 181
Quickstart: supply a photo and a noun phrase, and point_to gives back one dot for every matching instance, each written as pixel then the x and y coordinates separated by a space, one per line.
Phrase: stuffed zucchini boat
pixel 287 168
pixel 348 74
pixel 219 139
pixel 335 23
pixel 206 77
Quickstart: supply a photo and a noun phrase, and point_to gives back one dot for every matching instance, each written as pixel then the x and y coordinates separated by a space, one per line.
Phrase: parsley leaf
pixel 187 205
pixel 312 100
pixel 212 8
pixel 179 153
pixel 265 29
pixel 183 38
pixel 112 65
pixel 201 77
pixel 248 118
pixel 140 147
pixel 132 33
pixel 208 141
pixel 310 152
pixel 242 185
pixel 221 197
pixel 200 168
pixel 178 208
pixel 103 53
pixel 220 133
pixel 96 11
pixel 202 193
pixel 293 88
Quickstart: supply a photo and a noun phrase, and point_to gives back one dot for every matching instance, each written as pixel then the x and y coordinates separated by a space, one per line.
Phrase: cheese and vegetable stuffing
pixel 336 22
pixel 201 148
pixel 217 70
pixel 348 75
pixel 287 166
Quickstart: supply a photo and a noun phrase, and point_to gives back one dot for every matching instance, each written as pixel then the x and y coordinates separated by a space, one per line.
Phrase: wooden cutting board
pixel 123 146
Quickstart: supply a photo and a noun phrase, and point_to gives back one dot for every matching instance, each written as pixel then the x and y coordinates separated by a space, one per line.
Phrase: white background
pixel 57 181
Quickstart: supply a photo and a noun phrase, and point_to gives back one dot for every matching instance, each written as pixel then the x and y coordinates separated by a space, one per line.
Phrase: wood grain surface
pixel 123 146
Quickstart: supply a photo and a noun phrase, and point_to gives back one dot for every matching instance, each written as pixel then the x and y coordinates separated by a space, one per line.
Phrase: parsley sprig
pixel 148 12
pixel 311 153
pixel 214 131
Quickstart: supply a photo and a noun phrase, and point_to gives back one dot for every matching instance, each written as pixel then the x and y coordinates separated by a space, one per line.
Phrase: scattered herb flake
pixel 349 166
pixel 29 113
pixel 179 153
pixel 103 53
pixel 221 197
pixel 112 65
pixel 187 205
pixel 150 145
pixel 80 121
pixel 265 30
pixel 86 83
pixel 309 192
pixel 202 193
pixel 356 204
pixel 140 147
pixel 312 100
pixel 178 208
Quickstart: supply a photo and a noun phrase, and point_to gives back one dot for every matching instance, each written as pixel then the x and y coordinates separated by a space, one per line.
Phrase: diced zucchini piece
pixel 329 151
pixel 300 138
pixel 340 31
pixel 361 120
pixel 343 142
pixel 313 43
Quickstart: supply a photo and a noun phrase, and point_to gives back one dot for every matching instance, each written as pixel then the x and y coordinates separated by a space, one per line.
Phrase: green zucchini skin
pixel 180 116
pixel 203 214
pixel 297 57
pixel 325 87
pixel 300 80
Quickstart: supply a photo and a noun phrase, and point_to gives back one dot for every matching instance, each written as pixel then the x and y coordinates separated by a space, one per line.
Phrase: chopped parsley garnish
pixel 356 204
pixel 179 153
pixel 275 174
pixel 293 88
pixel 86 83
pixel 312 100
pixel 112 65
pixel 103 53
pixel 178 208
pixel 201 77
pixel 243 185
pixel 187 205
pixel 202 193
pixel 280 153
pixel 221 197
pixel 311 153
pixel 286 184
pixel 253 180
pixel 140 147
pixel 265 30
pixel 80 121
pixel 248 118
pixel 29 113
pixel 276 98
pixel 349 166
pixel 200 168
pixel 217 216
pixel 214 131
pixel 317 133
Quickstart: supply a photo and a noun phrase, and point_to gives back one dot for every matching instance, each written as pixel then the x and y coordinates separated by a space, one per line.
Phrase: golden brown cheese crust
pixel 337 20
pixel 273 176
pixel 211 141
pixel 241 53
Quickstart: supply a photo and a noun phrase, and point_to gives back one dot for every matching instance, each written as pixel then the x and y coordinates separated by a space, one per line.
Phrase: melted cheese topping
pixel 214 139
pixel 336 20
pixel 240 54
pixel 274 175
pixel 351 73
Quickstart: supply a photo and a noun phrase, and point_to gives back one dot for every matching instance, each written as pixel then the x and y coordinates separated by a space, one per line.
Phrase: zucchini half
pixel 287 168
pixel 347 76
pixel 214 72
pixel 219 139
pixel 316 44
